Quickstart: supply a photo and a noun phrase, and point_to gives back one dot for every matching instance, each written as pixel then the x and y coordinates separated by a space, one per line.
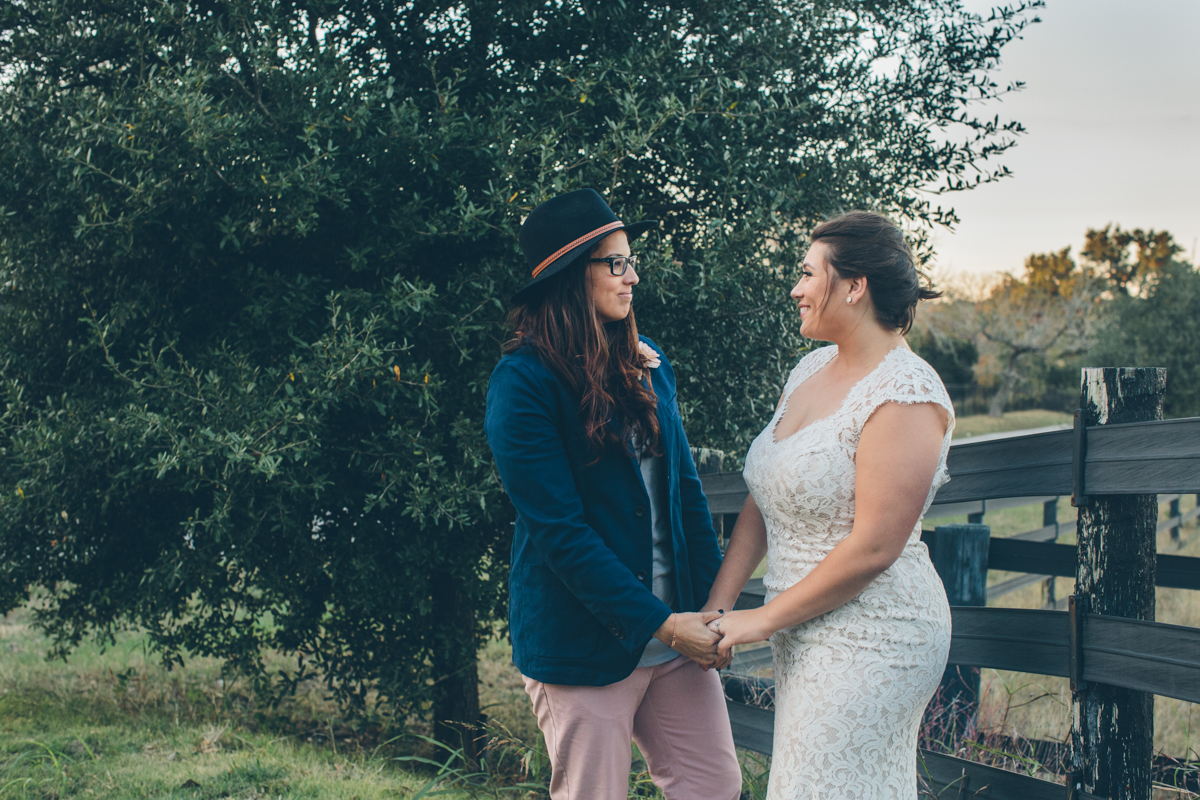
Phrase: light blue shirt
pixel 662 574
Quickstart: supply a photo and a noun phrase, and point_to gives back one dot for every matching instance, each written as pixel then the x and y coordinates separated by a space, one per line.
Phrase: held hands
pixel 688 635
pixel 738 627
pixel 708 637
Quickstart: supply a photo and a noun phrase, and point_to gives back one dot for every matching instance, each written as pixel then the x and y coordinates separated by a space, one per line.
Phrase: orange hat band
pixel 571 246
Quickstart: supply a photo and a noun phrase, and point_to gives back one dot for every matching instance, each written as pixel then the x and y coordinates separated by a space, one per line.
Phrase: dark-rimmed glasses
pixel 618 264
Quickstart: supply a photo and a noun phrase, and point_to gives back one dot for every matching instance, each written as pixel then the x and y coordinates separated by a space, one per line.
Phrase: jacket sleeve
pixel 522 430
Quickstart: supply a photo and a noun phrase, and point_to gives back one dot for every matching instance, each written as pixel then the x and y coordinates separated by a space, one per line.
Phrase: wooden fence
pixel 1106 643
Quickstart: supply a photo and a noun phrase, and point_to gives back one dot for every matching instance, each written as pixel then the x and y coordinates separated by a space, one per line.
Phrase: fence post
pixel 1172 512
pixel 960 556
pixel 1114 576
pixel 1050 517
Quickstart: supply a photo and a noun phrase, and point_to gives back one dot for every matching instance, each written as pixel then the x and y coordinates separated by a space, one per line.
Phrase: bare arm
pixel 897 458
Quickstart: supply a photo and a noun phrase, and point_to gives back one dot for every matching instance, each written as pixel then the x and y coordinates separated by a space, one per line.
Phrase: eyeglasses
pixel 618 264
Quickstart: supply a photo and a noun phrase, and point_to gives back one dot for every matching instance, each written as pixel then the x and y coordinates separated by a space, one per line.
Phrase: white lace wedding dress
pixel 850 685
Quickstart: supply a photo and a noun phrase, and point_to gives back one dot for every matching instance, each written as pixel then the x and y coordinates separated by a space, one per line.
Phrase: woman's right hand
pixel 692 636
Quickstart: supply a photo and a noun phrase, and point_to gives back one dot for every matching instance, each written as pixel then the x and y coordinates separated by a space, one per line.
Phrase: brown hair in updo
pixel 863 244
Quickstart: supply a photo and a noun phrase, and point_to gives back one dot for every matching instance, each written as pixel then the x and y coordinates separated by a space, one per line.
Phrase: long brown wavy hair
pixel 598 361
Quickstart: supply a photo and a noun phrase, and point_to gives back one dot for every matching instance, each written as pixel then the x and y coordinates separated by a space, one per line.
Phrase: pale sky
pixel 1112 109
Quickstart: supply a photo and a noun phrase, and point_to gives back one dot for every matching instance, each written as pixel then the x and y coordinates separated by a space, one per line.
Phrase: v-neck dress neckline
pixel 791 389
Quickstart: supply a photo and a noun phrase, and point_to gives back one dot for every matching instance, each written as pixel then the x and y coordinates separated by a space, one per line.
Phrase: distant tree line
pixel 1123 302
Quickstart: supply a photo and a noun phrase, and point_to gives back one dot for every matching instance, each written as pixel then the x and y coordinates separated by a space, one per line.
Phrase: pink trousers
pixel 676 714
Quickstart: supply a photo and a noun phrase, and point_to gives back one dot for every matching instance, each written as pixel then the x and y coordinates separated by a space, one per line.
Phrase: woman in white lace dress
pixel 856 615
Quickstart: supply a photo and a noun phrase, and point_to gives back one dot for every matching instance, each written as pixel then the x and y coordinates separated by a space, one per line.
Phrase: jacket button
pixel 641 575
pixel 639 512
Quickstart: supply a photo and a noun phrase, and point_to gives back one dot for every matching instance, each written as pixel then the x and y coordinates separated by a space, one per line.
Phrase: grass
pixel 979 424
pixel 114 724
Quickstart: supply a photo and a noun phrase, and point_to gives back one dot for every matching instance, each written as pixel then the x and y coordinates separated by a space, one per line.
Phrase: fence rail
pixel 1104 461
pixel 1147 656
pixel 1161 457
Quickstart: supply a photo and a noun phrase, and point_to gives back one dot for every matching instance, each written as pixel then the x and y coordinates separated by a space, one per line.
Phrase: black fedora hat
pixel 561 229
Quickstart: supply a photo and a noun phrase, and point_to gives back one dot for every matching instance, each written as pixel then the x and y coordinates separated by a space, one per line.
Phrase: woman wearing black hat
pixel 614 551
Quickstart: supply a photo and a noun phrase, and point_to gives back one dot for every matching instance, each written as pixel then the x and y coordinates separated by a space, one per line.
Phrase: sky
pixel 1112 109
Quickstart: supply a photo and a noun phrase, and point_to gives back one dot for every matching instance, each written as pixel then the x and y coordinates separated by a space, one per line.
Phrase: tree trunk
pixel 456 713
pixel 1008 383
pixel 1112 734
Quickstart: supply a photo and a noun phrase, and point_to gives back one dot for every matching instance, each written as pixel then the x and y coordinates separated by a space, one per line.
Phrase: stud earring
pixel 849 299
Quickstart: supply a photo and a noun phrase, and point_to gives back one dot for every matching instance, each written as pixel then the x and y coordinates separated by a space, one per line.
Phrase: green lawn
pixel 116 725
pixel 979 424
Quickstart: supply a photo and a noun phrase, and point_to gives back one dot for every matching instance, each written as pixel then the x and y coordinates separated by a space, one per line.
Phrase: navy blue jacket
pixel 581 609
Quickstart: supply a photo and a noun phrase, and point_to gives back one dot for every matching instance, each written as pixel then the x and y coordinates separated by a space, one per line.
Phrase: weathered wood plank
pixel 960 556
pixel 1011 555
pixel 954 509
pixel 1047 533
pixel 726 492
pixel 1023 466
pixel 1015 639
pixel 966 779
pixel 998 590
pixel 1146 656
pixel 753 595
pixel 1043 558
pixel 753 728
pixel 1158 457
pixel 1151 457
pixel 1177 572
pixel 985 506
pixel 1015 555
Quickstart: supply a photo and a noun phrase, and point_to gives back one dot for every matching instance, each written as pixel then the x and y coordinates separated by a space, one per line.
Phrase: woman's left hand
pixel 740 627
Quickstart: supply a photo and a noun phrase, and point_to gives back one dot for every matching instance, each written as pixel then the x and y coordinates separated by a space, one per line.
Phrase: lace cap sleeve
pixel 905 378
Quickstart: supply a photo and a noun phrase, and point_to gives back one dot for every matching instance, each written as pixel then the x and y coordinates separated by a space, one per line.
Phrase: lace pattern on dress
pixel 851 685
